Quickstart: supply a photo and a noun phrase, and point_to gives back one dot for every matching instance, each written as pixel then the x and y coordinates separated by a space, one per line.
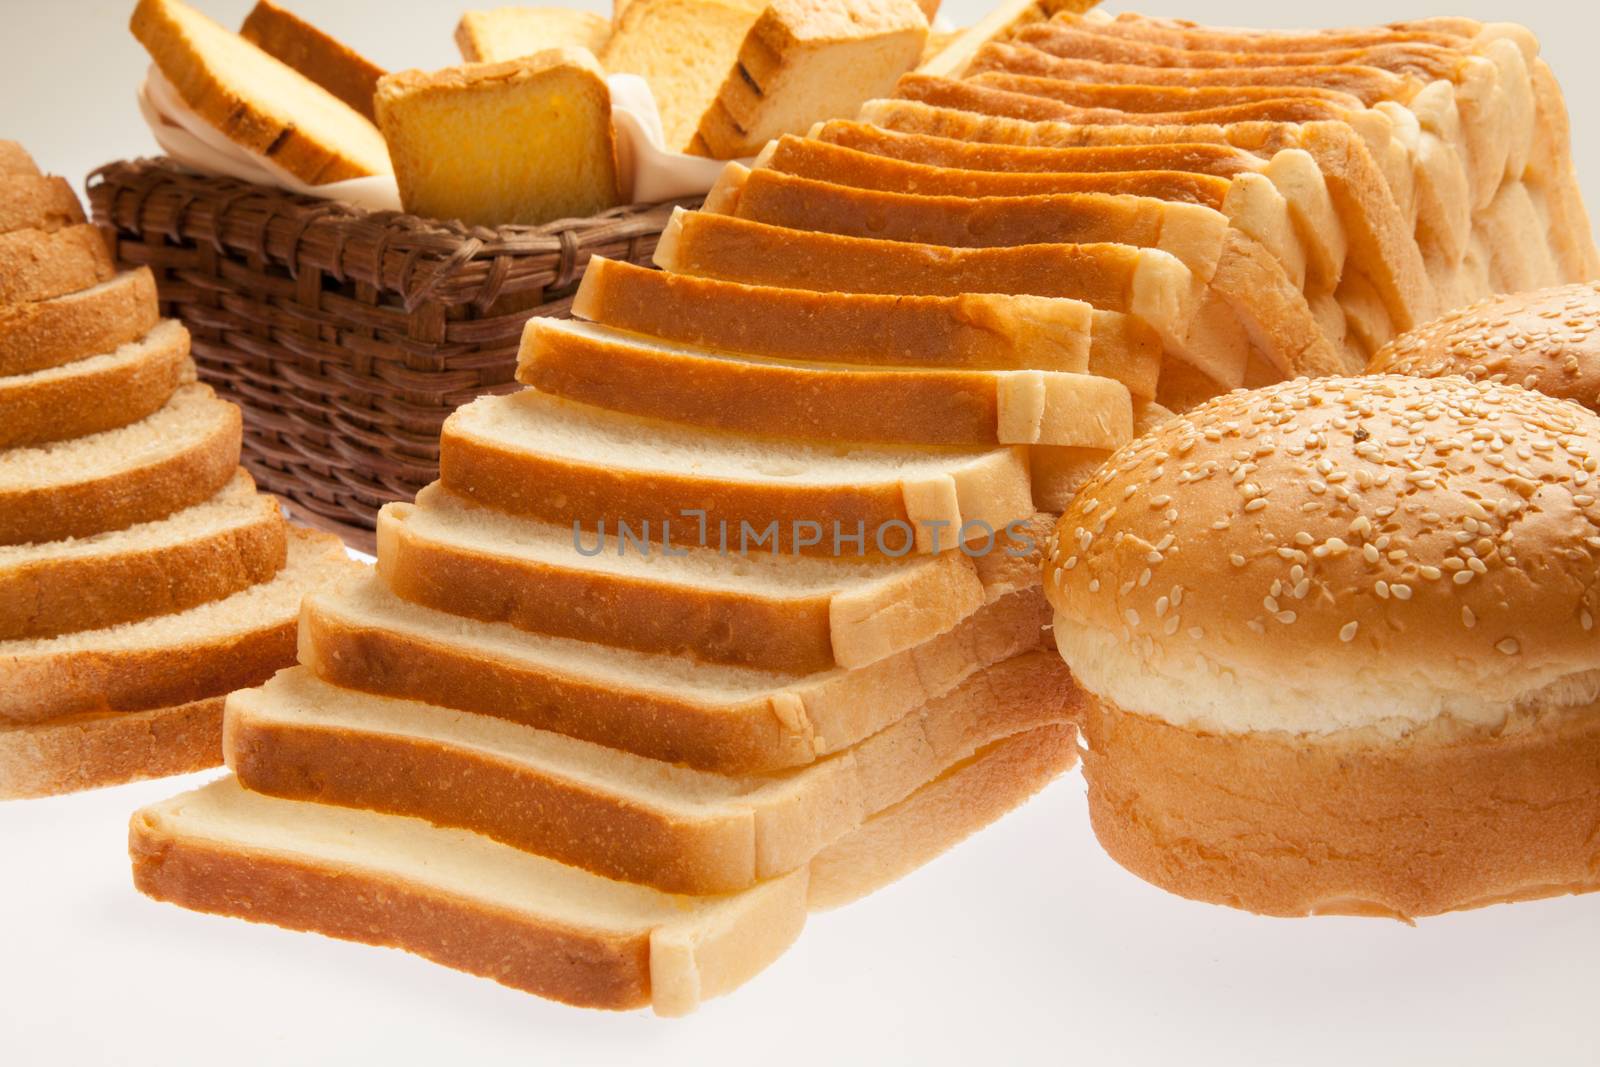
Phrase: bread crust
pixel 1449 818
pixel 74 593
pixel 120 498
pixel 82 752
pixel 331 64
pixel 42 334
pixel 62 406
pixel 42 264
pixel 29 202
pixel 14 159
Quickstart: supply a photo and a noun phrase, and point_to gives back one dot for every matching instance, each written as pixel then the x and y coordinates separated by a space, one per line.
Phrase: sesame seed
pixel 1508 645
pixel 1131 616
pixel 1468 619
pixel 1347 632
pixel 1400 590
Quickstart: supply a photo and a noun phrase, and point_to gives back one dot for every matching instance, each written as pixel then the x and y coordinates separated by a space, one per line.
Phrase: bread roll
pixel 1339 637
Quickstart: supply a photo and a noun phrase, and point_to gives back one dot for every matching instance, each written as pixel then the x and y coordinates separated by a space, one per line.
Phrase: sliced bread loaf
pixel 525 141
pixel 256 100
pixel 47 333
pixel 209 650
pixel 623 816
pixel 531 923
pixel 204 553
pixel 14 159
pixel 34 202
pixel 807 60
pixel 92 751
pixel 178 457
pixel 41 264
pixel 792 613
pixel 512 32
pixel 535 455
pixel 732 720
pixel 820 402
pixel 336 67
pixel 96 394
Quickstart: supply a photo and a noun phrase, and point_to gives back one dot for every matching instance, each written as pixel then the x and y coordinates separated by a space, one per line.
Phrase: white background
pixel 1024 945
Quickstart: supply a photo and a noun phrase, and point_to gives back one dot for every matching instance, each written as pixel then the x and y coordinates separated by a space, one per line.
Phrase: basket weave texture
pixel 347 336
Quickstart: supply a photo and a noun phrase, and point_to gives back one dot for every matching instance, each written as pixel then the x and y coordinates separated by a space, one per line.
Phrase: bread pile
pixel 681 644
pixel 141 576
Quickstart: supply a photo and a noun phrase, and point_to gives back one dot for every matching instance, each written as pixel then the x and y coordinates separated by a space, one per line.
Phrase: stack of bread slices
pixel 141 576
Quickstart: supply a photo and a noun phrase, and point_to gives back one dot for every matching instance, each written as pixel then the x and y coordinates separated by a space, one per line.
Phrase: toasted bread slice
pixel 333 65
pixel 42 334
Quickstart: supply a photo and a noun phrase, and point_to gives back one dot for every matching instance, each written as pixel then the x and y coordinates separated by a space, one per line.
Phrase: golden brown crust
pixel 90 592
pixel 76 405
pixel 331 64
pixel 93 751
pixel 42 334
pixel 126 497
pixel 1281 825
pixel 43 264
pixel 14 159
pixel 29 202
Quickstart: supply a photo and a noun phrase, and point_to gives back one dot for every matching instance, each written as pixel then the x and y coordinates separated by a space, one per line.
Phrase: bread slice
pixel 257 101
pixel 539 456
pixel 34 202
pixel 807 60
pixel 100 393
pixel 792 614
pixel 295 42
pixel 731 720
pixel 816 402
pixel 531 923
pixel 178 457
pixel 206 651
pixel 512 32
pixel 47 333
pixel 1058 473
pixel 526 141
pixel 613 813
pixel 41 264
pixel 976 331
pixel 683 49
pixel 93 751
pixel 198 555
pixel 14 159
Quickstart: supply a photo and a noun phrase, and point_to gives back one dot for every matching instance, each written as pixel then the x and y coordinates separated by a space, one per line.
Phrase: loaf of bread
pixel 525 141
pixel 513 32
pixel 335 66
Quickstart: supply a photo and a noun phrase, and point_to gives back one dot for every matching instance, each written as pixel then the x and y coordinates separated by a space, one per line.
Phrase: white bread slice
pixel 539 456
pixel 512 32
pixel 256 100
pixel 820 402
pixel 613 813
pixel 41 264
pixel 14 159
pixel 293 41
pixel 732 720
pixel 791 613
pixel 200 554
pixel 531 923
pixel 455 155
pixel 807 60
pixel 179 456
pixel 683 49
pixel 1058 473
pixel 968 331
pixel 209 650
pixel 92 751
pixel 47 333
pixel 96 394
pixel 35 202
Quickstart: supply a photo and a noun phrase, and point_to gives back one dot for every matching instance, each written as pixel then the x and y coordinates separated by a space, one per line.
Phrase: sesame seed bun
pixel 1338 642
pixel 1547 340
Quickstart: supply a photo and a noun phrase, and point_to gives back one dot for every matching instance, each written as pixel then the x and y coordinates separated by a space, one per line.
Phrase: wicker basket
pixel 347 336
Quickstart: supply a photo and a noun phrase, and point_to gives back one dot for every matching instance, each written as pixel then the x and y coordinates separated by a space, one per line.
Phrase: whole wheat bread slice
pixel 14 159
pixel 33 202
pixel 96 394
pixel 751 394
pixel 41 264
pixel 206 651
pixel 175 458
pixel 534 455
pixel 47 333
pixel 732 720
pixel 529 922
pixel 200 554
pixel 615 814
pixel 792 614
pixel 93 751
